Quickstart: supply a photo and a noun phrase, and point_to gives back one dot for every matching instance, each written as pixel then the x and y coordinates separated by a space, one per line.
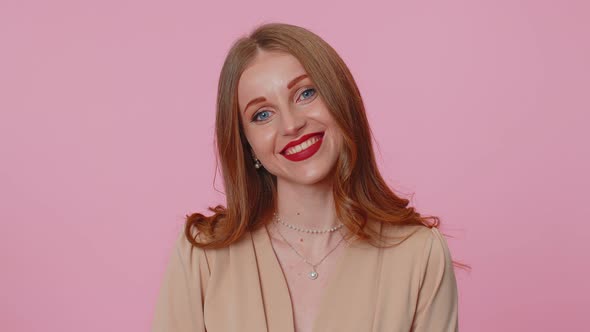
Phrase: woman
pixel 312 238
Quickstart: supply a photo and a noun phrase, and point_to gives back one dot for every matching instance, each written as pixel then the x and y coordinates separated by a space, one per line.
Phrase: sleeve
pixel 179 306
pixel 437 307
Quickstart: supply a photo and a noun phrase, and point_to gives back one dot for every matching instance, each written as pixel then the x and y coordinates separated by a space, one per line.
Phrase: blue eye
pixel 256 118
pixel 310 89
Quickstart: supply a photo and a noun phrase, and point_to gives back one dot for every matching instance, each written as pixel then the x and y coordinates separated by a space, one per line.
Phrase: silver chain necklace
pixel 310 231
pixel 313 274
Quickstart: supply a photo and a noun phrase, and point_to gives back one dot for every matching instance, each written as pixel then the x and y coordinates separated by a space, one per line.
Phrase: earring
pixel 257 163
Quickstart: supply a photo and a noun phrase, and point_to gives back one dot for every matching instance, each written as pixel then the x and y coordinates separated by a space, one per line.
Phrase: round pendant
pixel 313 275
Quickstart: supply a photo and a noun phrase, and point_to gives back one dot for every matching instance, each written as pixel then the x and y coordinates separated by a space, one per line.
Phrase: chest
pixel 256 288
pixel 307 294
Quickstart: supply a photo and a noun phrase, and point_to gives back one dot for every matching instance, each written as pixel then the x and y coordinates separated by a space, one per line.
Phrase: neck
pixel 306 206
pixel 310 207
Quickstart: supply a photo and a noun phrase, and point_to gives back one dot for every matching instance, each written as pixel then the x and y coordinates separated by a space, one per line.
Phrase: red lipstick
pixel 308 152
pixel 301 140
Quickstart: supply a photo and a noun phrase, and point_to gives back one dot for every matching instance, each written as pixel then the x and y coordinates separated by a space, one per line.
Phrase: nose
pixel 292 121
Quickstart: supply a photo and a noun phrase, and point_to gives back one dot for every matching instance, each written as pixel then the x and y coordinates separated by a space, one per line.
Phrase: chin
pixel 310 178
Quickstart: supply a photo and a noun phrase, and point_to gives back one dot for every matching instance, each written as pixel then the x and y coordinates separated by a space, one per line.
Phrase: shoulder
pixel 409 236
pixel 191 257
pixel 419 246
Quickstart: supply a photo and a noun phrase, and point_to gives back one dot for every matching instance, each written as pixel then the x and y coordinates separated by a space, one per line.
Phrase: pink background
pixel 480 110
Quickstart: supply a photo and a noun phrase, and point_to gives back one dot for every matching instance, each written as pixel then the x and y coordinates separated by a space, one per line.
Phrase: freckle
pixel 301 240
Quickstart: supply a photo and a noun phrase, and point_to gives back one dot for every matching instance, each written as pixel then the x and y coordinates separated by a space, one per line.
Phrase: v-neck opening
pixel 332 278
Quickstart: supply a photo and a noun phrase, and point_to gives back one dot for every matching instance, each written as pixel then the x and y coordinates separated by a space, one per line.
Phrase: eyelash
pixel 262 111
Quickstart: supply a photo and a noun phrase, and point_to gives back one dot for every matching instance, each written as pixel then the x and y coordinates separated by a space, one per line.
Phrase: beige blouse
pixel 410 287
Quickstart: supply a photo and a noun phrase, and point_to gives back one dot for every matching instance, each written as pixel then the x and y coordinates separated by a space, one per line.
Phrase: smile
pixel 304 150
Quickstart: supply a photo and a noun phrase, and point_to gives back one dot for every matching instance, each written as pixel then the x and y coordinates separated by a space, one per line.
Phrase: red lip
pixel 301 140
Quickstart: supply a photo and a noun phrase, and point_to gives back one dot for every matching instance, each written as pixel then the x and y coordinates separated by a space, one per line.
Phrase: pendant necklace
pixel 313 274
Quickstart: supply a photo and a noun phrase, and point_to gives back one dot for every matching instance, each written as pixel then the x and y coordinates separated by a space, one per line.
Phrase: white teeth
pixel 302 146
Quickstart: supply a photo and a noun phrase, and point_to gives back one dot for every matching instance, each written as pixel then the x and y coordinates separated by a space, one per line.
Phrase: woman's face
pixel 279 104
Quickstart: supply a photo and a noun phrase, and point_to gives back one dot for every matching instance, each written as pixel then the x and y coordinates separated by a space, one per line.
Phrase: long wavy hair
pixel 360 192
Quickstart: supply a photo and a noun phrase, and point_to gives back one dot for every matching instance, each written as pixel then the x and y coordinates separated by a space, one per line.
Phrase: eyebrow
pixel 289 86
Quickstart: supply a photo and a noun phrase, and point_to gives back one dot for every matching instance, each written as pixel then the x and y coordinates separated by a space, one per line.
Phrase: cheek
pixel 337 135
pixel 323 115
pixel 262 141
pixel 329 121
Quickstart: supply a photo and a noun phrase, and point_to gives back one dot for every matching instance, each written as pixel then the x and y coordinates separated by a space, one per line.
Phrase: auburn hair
pixel 360 192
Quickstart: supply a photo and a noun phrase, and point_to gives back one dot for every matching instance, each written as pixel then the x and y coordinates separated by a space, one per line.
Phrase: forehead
pixel 268 72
